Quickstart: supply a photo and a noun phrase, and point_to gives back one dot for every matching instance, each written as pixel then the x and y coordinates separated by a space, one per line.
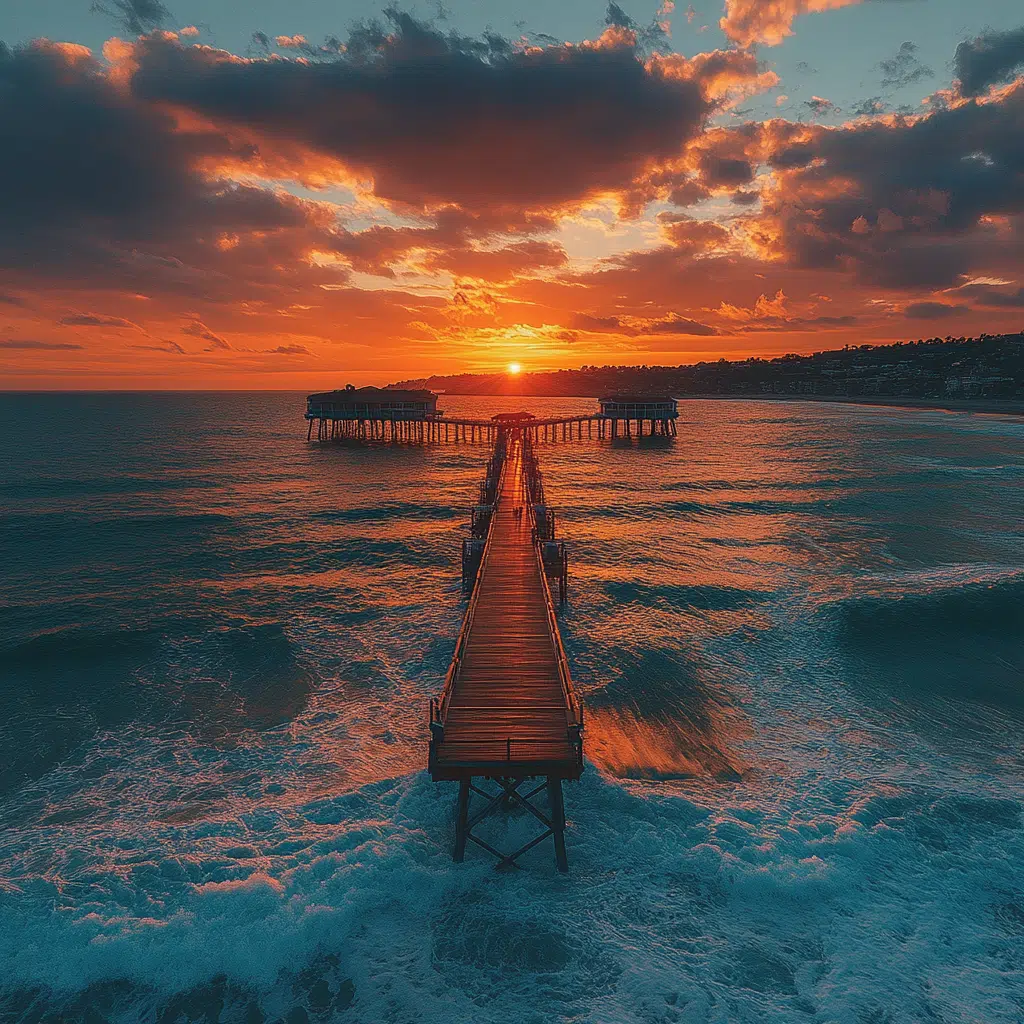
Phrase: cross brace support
pixel 553 825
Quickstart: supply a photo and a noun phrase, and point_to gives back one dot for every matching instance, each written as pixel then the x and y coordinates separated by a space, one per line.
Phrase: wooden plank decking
pixel 507 710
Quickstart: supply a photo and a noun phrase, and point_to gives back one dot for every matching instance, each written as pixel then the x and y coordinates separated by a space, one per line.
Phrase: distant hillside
pixel 991 366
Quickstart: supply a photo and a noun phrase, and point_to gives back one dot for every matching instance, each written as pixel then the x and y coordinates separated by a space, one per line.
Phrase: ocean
pixel 798 629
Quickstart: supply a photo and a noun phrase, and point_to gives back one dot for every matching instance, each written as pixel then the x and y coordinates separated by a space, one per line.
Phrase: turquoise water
pixel 798 630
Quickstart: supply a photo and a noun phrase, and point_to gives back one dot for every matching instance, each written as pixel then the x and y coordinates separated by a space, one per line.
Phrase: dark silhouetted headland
pixel 973 372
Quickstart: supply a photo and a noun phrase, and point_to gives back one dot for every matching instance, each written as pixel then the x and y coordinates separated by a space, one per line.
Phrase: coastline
pixel 985 406
pixel 981 406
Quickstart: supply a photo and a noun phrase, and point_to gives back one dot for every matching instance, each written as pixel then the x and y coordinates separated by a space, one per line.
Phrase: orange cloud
pixel 769 21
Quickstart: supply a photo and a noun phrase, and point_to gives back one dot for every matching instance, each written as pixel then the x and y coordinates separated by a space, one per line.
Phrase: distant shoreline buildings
pixel 990 367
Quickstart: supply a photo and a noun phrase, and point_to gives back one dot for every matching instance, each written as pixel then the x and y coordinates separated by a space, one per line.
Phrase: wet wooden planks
pixel 507 704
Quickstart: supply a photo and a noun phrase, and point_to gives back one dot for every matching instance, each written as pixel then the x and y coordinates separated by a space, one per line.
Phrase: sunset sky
pixel 276 195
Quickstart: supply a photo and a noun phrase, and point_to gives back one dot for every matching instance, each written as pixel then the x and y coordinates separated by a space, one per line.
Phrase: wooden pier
pixel 508 712
pixel 507 726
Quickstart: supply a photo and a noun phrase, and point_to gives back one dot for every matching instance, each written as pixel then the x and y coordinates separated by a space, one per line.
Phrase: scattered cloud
pixel 993 296
pixel 43 346
pixel 197 329
pixel 819 106
pixel 769 21
pixel 166 346
pixel 870 107
pixel 633 326
pixel 904 68
pixel 134 16
pixel 96 320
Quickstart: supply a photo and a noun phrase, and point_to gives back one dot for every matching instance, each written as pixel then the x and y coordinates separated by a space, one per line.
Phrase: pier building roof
pixel 373 396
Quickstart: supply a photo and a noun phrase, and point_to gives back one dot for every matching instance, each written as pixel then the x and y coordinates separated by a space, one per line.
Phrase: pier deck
pixel 508 711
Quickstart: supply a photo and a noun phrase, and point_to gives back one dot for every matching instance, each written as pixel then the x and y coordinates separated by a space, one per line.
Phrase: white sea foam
pixel 904 906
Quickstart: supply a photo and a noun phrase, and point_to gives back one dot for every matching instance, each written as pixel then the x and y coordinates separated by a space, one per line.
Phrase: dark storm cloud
pixel 904 203
pixel 988 60
pixel 717 171
pixel 799 155
pixel 100 190
pixel 75 148
pixel 436 118
pixel 93 178
pixel 933 310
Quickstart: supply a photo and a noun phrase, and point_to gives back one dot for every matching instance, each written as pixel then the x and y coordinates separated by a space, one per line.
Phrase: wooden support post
pixel 462 821
pixel 558 822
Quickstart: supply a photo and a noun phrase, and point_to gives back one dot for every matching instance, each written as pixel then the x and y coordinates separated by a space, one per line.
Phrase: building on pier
pixel 513 419
pixel 658 410
pixel 352 403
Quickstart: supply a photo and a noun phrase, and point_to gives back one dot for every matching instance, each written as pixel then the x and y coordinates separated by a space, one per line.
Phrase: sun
pixel 514 368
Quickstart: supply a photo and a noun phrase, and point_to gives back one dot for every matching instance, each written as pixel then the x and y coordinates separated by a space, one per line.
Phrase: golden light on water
pixel 514 368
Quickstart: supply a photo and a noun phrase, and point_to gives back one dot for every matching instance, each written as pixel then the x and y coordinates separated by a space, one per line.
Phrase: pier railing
pixel 439 705
pixel 574 705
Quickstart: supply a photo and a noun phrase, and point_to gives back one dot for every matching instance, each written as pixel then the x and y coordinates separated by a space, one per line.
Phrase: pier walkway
pixel 508 711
